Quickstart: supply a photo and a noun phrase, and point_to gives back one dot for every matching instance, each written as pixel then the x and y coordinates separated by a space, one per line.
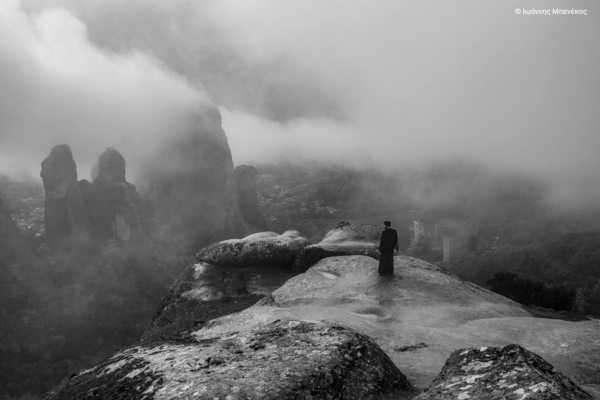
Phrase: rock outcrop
pixel 193 183
pixel 264 248
pixel 510 372
pixel 345 240
pixel 281 360
pixel 427 310
pixel 113 202
pixel 418 318
pixel 65 211
pixel 245 178
pixel 12 243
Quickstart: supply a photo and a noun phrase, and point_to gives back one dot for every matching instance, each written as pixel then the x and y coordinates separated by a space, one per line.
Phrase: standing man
pixel 387 246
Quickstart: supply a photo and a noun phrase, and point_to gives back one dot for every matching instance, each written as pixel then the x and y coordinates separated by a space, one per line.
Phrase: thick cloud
pixel 57 87
pixel 385 82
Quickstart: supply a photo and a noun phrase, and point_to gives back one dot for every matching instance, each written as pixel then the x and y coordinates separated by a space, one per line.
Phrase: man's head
pixel 387 224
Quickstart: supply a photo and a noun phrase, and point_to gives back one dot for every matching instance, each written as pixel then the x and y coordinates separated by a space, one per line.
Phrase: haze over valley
pixel 138 138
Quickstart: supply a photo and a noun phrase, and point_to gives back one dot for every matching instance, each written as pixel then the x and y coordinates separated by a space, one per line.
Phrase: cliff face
pixel 65 211
pixel 113 201
pixel 418 319
pixel 193 184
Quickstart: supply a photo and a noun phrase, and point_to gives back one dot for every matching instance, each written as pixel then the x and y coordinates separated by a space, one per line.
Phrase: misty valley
pixel 318 199
pixel 85 264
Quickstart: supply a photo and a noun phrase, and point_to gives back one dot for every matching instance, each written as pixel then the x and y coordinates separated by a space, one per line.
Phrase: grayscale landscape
pixel 193 194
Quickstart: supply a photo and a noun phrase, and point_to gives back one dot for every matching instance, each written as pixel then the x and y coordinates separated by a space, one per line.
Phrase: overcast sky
pixel 383 82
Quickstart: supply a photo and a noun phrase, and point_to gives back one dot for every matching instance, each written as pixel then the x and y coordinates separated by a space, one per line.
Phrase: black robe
pixel 387 245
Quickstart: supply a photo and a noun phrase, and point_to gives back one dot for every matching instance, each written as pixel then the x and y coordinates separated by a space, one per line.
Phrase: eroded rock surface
pixel 510 372
pixel 427 309
pixel 280 360
pixel 345 240
pixel 264 248
pixel 245 178
pixel 65 211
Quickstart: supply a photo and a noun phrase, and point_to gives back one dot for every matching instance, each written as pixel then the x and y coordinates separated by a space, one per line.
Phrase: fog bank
pixel 382 83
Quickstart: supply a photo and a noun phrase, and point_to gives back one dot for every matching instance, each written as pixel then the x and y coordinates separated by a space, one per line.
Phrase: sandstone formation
pixel 193 183
pixel 113 202
pixel 346 239
pixel 282 360
pixel 264 248
pixel 418 318
pixel 427 310
pixel 65 212
pixel 510 372
pixel 245 178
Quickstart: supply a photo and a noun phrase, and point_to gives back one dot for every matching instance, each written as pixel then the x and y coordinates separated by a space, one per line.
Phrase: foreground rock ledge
pixel 509 372
pixel 281 360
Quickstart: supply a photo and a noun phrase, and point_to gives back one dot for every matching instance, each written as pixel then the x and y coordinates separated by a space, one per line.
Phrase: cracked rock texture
pixel 509 372
pixel 264 248
pixel 345 240
pixel 280 360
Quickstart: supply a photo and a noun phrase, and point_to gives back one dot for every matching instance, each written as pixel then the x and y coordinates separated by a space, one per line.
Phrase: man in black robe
pixel 387 246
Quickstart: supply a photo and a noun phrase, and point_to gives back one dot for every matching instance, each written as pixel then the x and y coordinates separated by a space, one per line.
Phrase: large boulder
pixel 113 202
pixel 264 248
pixel 345 240
pixel 245 178
pixel 281 360
pixel 510 372
pixel 65 211
pixel 192 183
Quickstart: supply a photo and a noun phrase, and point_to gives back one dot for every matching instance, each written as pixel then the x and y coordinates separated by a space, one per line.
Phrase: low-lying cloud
pixel 382 83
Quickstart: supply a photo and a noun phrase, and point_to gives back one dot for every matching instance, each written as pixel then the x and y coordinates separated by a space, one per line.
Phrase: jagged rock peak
pixel 64 206
pixel 59 171
pixel 111 164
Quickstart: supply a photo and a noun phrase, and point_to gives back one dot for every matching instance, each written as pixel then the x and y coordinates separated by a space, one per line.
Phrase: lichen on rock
pixel 281 360
pixel 509 372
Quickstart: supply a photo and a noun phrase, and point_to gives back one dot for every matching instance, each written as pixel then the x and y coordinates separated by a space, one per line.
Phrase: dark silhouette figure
pixel 387 246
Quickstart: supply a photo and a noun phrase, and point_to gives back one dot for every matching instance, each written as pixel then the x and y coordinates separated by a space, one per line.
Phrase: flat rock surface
pixel 280 360
pixel 509 372
pixel 422 315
